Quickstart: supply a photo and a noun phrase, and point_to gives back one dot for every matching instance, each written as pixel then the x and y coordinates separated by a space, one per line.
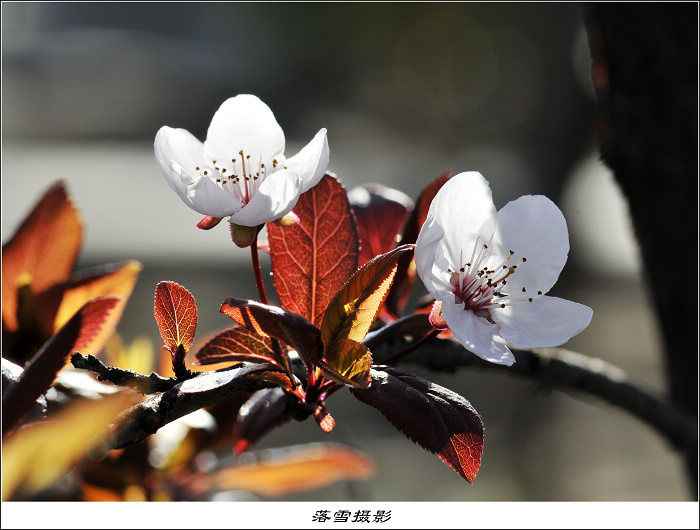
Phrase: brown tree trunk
pixel 645 68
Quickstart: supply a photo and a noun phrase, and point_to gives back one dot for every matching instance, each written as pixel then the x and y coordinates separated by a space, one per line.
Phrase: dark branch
pixel 146 384
pixel 562 370
pixel 552 368
pixel 204 390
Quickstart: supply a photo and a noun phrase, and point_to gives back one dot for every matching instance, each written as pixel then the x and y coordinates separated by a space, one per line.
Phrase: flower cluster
pixel 490 270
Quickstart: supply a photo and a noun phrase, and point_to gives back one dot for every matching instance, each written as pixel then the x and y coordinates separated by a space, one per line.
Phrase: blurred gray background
pixel 407 92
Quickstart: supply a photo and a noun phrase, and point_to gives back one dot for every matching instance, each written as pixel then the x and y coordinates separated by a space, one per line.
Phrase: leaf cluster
pixel 343 274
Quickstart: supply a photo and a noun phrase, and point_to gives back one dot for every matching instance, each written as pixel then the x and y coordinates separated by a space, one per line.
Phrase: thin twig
pixel 563 370
pixel 412 347
pixel 146 384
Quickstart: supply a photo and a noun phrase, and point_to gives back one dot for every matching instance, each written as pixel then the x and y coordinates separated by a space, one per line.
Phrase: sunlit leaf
pixel 176 314
pixel 312 258
pixel 107 280
pixel 41 371
pixel 406 270
pixel 434 417
pixel 349 365
pixel 351 314
pixel 271 321
pixel 38 454
pixel 292 469
pixel 235 344
pixel 380 213
pixel 42 251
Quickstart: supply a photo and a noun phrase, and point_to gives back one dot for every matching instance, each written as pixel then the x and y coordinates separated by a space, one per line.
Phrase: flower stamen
pixel 482 289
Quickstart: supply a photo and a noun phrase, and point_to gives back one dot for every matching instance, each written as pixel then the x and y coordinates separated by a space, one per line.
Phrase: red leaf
pixel 434 417
pixel 236 344
pixel 380 213
pixel 41 371
pixel 270 321
pixel 42 251
pixel 312 258
pixel 406 273
pixel 176 315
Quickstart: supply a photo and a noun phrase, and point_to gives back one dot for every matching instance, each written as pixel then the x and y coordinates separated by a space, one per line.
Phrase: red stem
pixel 258 271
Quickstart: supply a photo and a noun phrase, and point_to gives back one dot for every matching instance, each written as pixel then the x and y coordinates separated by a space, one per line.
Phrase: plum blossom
pixel 491 269
pixel 240 170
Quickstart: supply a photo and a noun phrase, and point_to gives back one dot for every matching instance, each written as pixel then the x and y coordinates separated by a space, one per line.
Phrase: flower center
pixel 483 289
pixel 243 175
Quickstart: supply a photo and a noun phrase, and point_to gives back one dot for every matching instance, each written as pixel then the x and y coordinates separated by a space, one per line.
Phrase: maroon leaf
pixel 434 417
pixel 264 410
pixel 176 315
pixel 270 321
pixel 312 258
pixel 406 273
pixel 41 371
pixel 236 344
pixel 380 213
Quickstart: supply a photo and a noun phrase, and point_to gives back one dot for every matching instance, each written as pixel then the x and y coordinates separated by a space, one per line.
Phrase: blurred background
pixel 407 92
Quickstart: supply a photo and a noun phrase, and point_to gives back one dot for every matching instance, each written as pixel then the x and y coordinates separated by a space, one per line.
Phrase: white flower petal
pixel 244 122
pixel 179 146
pixel 178 153
pixel 431 259
pixel 448 235
pixel 312 161
pixel 208 198
pixel 533 227
pixel 460 208
pixel 275 197
pixel 476 334
pixel 546 322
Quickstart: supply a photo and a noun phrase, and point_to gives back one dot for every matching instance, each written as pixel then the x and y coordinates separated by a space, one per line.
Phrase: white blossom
pixel 492 269
pixel 240 170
